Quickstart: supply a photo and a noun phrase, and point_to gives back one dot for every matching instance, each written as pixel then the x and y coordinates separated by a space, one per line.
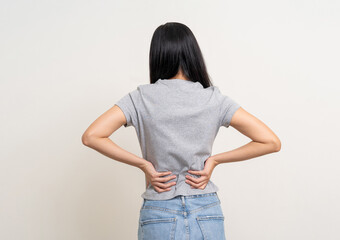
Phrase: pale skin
pixel 263 141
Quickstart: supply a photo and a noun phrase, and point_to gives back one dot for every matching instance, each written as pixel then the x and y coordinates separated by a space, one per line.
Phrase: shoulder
pixel 139 88
pixel 219 92
pixel 220 96
pixel 216 92
pixel 142 90
pixel 147 88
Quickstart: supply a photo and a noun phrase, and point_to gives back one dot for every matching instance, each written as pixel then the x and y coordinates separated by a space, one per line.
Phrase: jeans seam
pixel 162 209
pixel 204 207
pixel 157 220
pixel 174 225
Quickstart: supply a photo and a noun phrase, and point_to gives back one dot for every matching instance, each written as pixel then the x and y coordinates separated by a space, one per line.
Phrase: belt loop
pixel 183 201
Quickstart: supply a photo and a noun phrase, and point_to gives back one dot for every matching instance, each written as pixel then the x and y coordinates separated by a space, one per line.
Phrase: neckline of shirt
pixel 179 81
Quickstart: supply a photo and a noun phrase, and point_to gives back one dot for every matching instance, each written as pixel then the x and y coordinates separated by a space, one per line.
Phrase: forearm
pixel 110 149
pixel 250 150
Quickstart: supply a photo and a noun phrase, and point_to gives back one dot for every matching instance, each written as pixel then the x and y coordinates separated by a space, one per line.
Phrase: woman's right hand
pixel 157 179
pixel 205 175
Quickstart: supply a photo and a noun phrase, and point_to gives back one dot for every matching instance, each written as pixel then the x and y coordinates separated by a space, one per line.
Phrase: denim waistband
pixel 183 204
pixel 197 195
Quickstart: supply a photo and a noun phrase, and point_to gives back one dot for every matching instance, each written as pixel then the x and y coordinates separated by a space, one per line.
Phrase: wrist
pixel 214 161
pixel 144 165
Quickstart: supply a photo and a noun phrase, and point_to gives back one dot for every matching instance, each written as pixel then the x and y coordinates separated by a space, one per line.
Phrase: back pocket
pixel 158 228
pixel 212 227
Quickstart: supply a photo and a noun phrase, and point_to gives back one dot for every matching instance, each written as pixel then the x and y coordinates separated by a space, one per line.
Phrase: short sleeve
pixel 228 106
pixel 127 105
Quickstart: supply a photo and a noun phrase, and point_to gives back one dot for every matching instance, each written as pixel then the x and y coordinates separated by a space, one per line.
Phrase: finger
pixel 163 173
pixel 162 185
pixel 202 185
pixel 196 172
pixel 161 190
pixel 195 180
pixel 164 179
pixel 196 185
pixel 191 183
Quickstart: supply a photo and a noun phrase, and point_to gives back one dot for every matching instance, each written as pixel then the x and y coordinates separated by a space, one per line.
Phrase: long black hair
pixel 173 48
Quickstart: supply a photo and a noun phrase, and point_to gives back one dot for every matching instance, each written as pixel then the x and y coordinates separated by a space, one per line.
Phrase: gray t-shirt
pixel 176 122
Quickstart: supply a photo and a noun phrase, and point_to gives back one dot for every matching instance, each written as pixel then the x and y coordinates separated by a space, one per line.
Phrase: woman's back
pixel 176 122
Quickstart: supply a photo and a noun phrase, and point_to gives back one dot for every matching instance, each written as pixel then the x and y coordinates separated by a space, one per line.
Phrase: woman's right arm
pixel 264 140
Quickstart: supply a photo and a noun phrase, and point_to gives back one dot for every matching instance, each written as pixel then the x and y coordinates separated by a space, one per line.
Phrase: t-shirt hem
pixel 169 195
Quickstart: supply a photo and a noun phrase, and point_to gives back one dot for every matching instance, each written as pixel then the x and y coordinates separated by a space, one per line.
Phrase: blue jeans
pixel 193 217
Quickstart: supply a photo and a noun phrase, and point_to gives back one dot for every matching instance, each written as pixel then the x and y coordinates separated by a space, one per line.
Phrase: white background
pixel 64 63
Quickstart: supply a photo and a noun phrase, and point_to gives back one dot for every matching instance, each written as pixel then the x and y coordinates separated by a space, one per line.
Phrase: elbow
pixel 276 143
pixel 85 139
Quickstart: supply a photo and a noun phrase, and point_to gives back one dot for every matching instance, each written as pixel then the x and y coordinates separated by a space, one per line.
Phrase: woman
pixel 176 118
